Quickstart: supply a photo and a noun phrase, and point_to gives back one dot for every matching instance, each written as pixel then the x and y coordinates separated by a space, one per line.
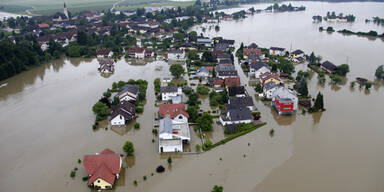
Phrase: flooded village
pixel 263 102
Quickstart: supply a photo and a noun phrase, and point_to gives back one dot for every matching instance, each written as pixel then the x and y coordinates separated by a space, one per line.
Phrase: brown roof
pixel 268 75
pixel 250 51
pixel 104 165
pixel 136 50
pixel 232 81
pixel 173 110
pixel 103 51
pixel 219 82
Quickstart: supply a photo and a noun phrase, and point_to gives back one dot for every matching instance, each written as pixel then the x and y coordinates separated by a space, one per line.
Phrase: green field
pixel 51 6
pixel 159 4
pixel 47 7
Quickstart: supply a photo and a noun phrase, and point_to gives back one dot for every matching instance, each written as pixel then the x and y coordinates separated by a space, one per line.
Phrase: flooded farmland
pixel 46 120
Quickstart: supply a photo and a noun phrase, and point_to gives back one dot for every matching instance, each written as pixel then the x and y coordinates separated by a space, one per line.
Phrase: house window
pixel 98 181
pixel 180 117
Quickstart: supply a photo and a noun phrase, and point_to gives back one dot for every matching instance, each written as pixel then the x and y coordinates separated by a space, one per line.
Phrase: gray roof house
pixel 236 116
pixel 240 102
pixel 328 67
pixel 128 92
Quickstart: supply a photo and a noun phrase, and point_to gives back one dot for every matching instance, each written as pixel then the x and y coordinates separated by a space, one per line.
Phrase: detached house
pixel 268 89
pixel 236 116
pixel 232 82
pixel 284 100
pixel 106 66
pixel 104 53
pixel 277 51
pixel 296 55
pixel 251 51
pixel 168 92
pixel 240 102
pixel 123 112
pixel 224 71
pixel 103 169
pixel 128 93
pixel 172 135
pixel 202 72
pixel 237 91
pixel 328 67
pixel 175 112
pixel 257 68
pixel 267 77
pixel 138 53
pixel 176 55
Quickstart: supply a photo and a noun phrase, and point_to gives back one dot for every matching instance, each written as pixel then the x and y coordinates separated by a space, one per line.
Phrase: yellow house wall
pixel 102 184
pixel 272 79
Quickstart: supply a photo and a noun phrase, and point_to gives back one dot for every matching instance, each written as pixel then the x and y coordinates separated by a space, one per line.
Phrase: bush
pixel 202 90
pixel 198 147
pixel 101 110
pixel 139 109
pixel 169 160
pixel 128 148
pixel 207 144
pixel 79 161
pixel 144 177
pixel 160 169
pixel 154 131
pixel 137 125
pixel 85 178
pixel 135 182
pixel 73 173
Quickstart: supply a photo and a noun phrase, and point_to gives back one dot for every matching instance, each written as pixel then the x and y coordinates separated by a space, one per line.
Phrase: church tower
pixel 66 11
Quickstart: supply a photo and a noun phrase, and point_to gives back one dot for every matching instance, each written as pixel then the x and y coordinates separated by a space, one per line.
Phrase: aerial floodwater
pixel 46 118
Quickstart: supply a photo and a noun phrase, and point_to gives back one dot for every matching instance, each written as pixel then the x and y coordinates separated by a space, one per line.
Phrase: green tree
pixel 157 84
pixel 74 51
pixel 312 58
pixel 82 37
pixel 259 88
pixel 176 70
pixel 129 148
pixel 193 100
pixel 380 72
pixel 342 69
pixel 217 189
pixel 192 55
pixel 205 122
pixel 169 160
pixel 101 110
pixel 303 88
pixel 193 112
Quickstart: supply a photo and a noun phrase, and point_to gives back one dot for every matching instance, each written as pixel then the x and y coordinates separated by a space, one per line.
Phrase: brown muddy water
pixel 46 121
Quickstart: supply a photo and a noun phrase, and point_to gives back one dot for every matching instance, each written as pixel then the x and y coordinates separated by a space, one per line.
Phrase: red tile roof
pixel 173 110
pixel 219 82
pixel 43 25
pixel 104 165
pixel 232 81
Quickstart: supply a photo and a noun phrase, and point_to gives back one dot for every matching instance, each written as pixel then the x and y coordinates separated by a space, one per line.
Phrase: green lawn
pixel 166 3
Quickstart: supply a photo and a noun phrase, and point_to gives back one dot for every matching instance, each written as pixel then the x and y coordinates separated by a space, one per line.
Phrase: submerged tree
pixel 319 103
pixel 380 72
pixel 218 189
pixel 128 148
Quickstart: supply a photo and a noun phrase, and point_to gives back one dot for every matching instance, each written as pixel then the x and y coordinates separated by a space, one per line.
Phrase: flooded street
pixel 46 120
